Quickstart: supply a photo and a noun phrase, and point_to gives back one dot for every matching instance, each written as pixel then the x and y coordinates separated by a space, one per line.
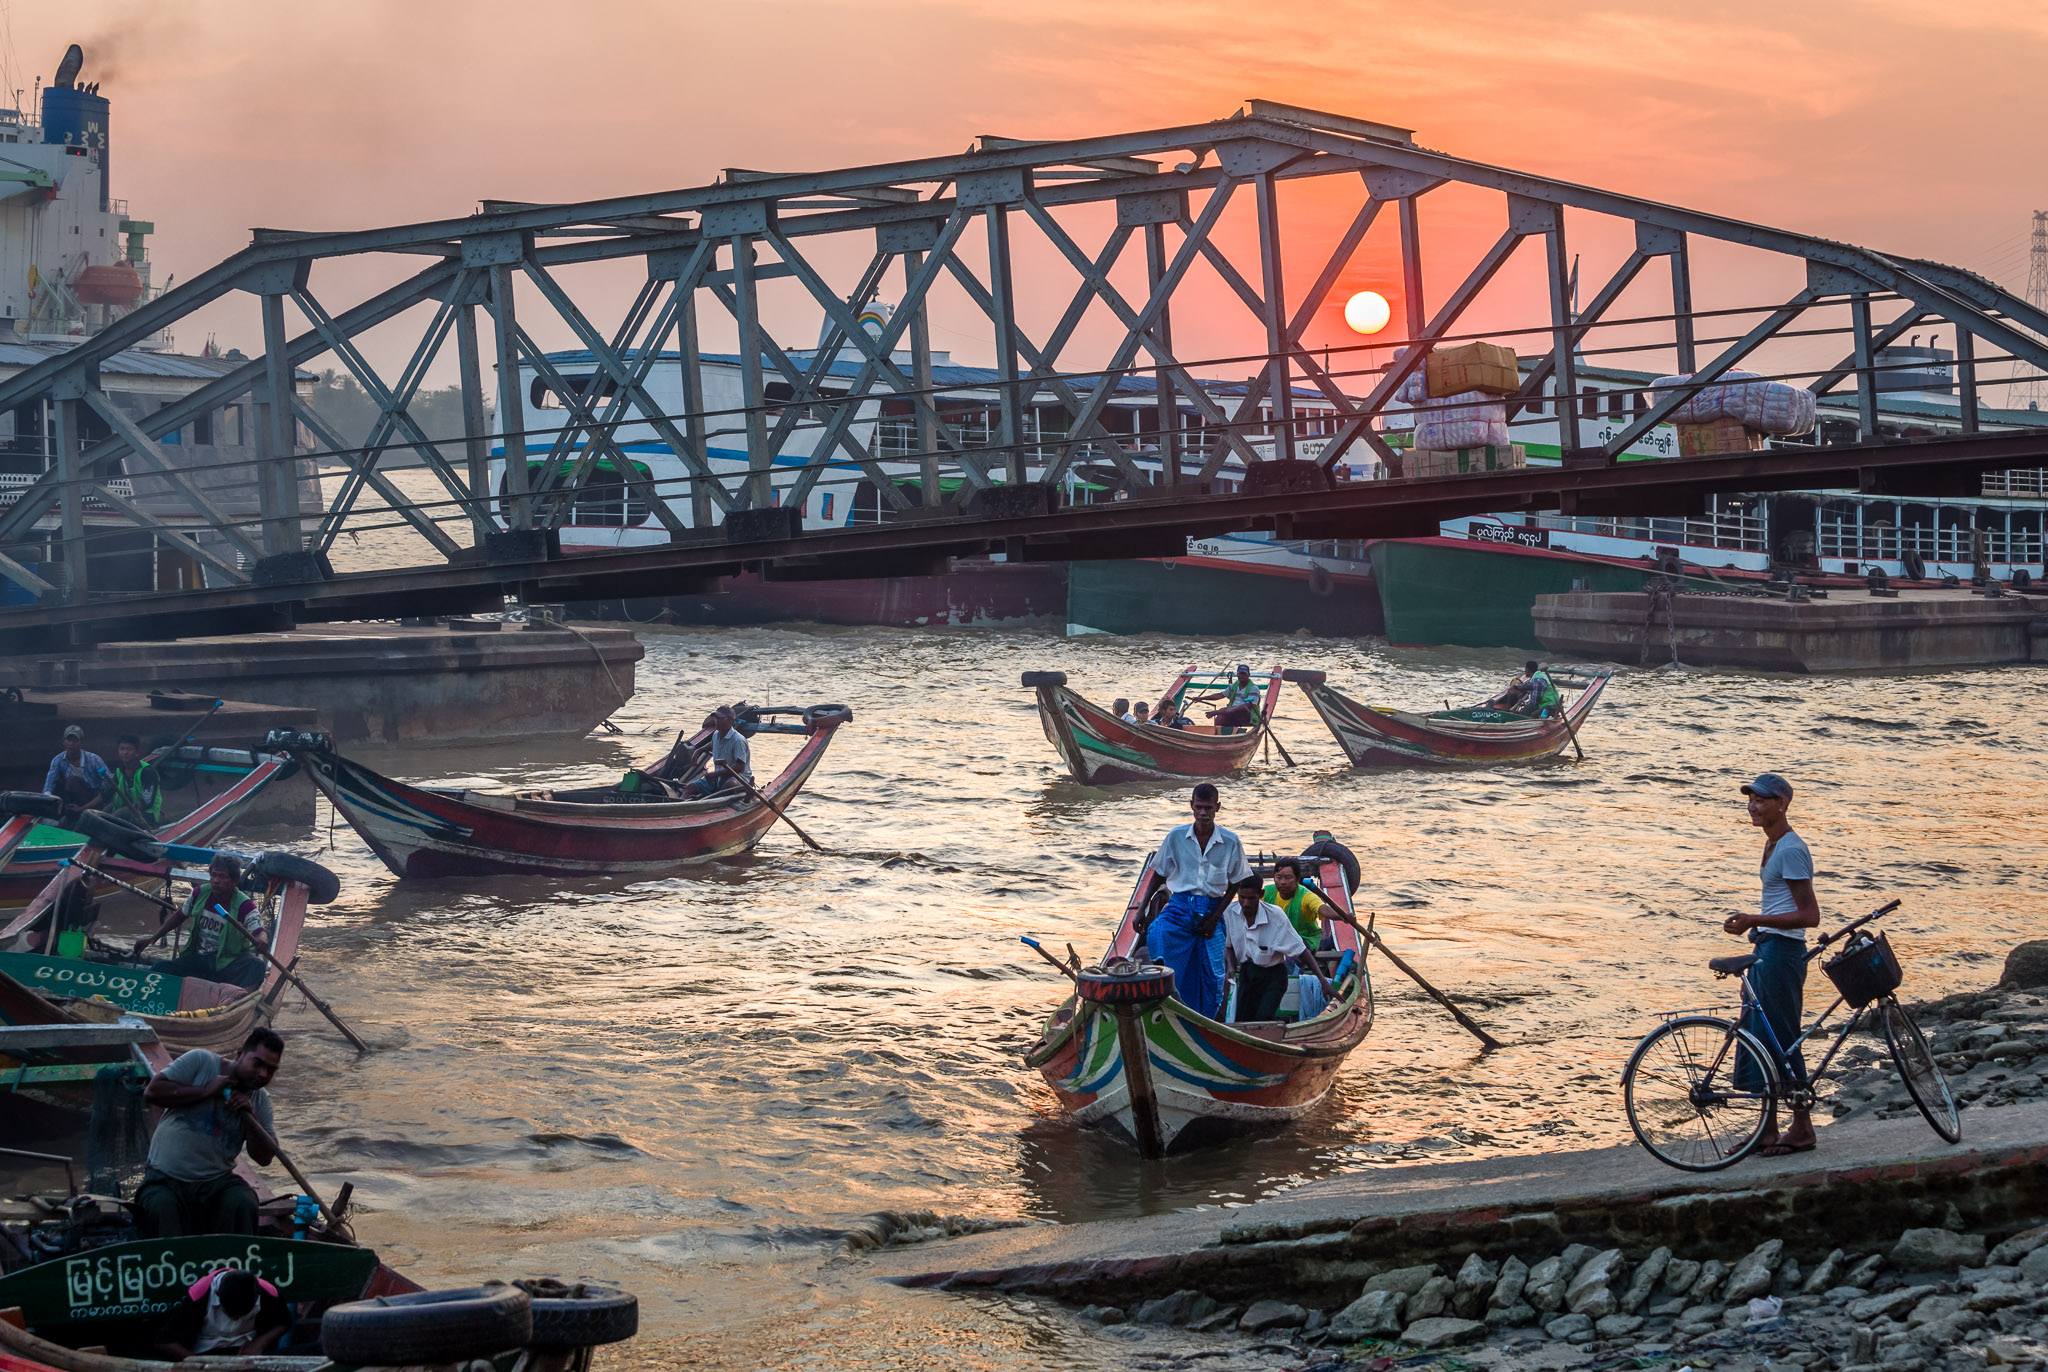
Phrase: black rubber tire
pixel 41 804
pixel 601 1314
pixel 1150 982
pixel 322 886
pixel 2021 579
pixel 428 1326
pixel 111 835
pixel 1306 676
pixel 1914 566
pixel 1321 584
pixel 1034 680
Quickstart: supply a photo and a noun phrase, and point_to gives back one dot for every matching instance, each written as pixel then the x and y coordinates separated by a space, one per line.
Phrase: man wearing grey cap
pixel 1240 702
pixel 1778 929
pixel 76 775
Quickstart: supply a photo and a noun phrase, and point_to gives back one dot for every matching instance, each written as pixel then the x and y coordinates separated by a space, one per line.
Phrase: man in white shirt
pixel 731 760
pixel 1786 911
pixel 1198 864
pixel 1121 708
pixel 1264 944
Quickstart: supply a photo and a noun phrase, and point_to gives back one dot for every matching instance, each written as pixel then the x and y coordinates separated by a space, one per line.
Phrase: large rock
pixel 1179 1308
pixel 1590 1292
pixel 1680 1275
pixel 1432 1300
pixel 1865 1272
pixel 1374 1313
pixel 1441 1332
pixel 1475 1283
pixel 1264 1315
pixel 1617 1326
pixel 1752 1274
pixel 1645 1280
pixel 1507 1291
pixel 2026 965
pixel 1406 1280
pixel 1708 1281
pixel 1892 1303
pixel 2034 1267
pixel 1937 1250
pixel 1564 1326
pixel 1827 1275
pixel 2018 1246
pixel 1545 1287
pixel 1516 1316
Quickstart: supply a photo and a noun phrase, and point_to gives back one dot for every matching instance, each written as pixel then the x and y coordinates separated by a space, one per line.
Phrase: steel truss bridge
pixel 949 223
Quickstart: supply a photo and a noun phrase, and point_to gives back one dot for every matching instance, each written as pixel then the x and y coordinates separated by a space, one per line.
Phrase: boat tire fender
pixel 1133 983
pixel 827 714
pixel 1035 680
pixel 322 886
pixel 111 835
pixel 1321 584
pixel 1305 676
pixel 1914 565
pixel 428 1326
pixel 581 1316
pixel 41 804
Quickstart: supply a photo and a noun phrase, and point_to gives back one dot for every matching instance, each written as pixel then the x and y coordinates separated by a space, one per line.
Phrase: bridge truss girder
pixel 714 246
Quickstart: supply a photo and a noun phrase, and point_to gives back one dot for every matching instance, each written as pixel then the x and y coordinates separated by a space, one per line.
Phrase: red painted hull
pixel 419 832
pixel 1379 736
pixel 1099 748
pixel 972 594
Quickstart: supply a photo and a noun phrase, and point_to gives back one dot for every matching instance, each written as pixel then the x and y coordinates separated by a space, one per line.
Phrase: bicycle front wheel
pixel 1698 1092
pixel 1925 1081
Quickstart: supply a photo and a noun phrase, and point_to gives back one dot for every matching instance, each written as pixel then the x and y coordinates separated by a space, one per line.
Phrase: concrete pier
pixel 1850 631
pixel 461 679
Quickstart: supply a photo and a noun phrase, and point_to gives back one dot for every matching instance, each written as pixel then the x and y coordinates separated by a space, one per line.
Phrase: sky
pixel 1908 127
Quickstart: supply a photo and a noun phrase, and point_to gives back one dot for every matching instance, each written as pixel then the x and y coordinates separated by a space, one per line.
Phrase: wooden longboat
pixel 1194 1077
pixel 40 855
pixel 1388 736
pixel 422 831
pixel 51 1056
pixel 1099 748
pixel 183 1012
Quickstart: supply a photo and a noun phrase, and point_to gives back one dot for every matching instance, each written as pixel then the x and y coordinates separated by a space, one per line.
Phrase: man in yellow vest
pixel 133 791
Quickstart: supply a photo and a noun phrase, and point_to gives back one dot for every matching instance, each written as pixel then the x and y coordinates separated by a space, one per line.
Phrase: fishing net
pixel 117 1135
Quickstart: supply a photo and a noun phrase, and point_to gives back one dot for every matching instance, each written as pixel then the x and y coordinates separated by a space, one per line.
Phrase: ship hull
pixel 1211 597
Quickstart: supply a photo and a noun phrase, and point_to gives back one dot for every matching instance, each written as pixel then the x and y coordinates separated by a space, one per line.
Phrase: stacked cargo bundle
pixel 1462 424
pixel 1736 412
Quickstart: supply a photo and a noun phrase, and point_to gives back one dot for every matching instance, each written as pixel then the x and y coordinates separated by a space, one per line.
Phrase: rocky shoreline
pixel 1970 1291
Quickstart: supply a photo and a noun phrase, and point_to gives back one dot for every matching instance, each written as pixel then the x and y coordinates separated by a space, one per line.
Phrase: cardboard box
pixel 1485 367
pixel 1459 461
pixel 1721 436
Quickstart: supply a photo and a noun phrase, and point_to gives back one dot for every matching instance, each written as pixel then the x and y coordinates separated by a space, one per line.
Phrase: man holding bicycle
pixel 1778 929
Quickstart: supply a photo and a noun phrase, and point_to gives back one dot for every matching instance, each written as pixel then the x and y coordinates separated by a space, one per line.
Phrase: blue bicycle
pixel 1701 1088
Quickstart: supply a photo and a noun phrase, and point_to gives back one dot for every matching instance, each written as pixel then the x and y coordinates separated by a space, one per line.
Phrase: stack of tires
pixel 546 1316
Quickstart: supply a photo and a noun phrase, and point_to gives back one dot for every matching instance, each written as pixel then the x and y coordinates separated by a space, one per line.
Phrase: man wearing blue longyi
pixel 1199 864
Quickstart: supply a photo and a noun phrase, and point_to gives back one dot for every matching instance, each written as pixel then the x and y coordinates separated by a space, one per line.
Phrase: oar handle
pixel 1035 946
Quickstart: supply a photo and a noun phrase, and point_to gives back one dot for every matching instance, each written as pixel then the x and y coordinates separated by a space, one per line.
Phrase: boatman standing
pixel 1778 929
pixel 1199 864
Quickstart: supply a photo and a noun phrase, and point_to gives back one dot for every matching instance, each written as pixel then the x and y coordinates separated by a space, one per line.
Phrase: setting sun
pixel 1367 312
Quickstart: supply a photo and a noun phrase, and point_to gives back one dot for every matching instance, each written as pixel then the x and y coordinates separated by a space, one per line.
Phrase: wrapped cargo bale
pixel 1458 461
pixel 1487 367
pixel 1717 436
pixel 1785 409
pixel 1469 419
pixel 1414 387
pixel 1770 407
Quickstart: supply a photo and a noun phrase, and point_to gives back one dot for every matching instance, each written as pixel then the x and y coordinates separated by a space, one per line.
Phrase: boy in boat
pixel 1778 929
pixel 227 1312
pixel 229 925
pixel 1240 702
pixel 212 1110
pixel 731 760
pixel 133 791
pixel 1199 864
pixel 1141 713
pixel 1264 944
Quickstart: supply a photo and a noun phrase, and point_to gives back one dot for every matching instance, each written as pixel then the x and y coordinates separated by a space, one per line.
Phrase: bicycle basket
pixel 1864 971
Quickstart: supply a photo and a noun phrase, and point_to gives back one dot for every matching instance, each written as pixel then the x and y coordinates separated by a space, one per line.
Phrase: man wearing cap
pixel 1778 929
pixel 1240 702
pixel 1199 864
pixel 75 775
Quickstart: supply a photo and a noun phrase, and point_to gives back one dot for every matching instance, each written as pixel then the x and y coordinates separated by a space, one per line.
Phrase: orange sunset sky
pixel 1910 127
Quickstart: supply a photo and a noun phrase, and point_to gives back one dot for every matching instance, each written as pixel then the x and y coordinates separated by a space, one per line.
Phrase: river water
pixel 694 1085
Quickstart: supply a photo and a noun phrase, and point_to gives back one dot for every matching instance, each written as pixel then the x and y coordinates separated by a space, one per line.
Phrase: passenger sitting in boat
pixel 76 775
pixel 1241 702
pixel 1264 945
pixel 1303 907
pixel 1542 699
pixel 731 760
pixel 1141 713
pixel 133 791
pixel 229 924
pixel 228 1312
pixel 1198 864
pixel 212 1110
pixel 1167 714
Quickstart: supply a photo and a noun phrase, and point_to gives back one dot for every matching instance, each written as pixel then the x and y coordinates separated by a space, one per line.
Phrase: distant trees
pixel 347 409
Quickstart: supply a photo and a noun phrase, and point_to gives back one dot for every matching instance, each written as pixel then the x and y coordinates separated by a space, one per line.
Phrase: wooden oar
pixel 1266 726
pixel 1035 946
pixel 1439 997
pixel 750 789
pixel 249 1121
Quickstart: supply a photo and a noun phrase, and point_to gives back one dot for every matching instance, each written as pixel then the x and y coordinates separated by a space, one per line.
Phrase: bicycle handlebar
pixel 1879 913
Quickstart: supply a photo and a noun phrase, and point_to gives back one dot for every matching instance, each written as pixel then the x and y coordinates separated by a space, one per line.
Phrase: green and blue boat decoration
pixel 1124 1055
pixel 1101 748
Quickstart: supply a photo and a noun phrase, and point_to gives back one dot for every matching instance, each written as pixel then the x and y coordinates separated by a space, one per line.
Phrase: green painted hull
pixel 1198 601
pixel 1471 595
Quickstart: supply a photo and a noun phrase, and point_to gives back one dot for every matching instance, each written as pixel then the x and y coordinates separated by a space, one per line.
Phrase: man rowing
pixel 229 926
pixel 212 1111
pixel 1533 693
pixel 1199 864
pixel 133 791
pixel 731 766
pixel 1240 702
